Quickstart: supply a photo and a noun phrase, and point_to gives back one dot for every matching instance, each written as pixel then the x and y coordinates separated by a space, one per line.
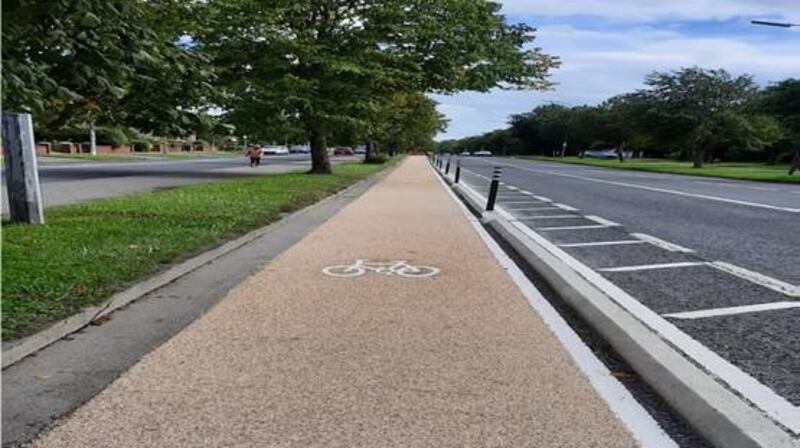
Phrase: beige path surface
pixel 295 358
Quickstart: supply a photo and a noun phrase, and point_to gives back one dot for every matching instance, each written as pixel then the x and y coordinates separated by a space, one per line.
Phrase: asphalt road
pixel 723 268
pixel 66 181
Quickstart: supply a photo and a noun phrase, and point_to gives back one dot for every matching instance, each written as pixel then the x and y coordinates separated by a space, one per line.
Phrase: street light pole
pixel 775 24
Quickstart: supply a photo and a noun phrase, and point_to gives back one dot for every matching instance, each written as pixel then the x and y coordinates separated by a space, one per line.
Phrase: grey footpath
pixel 55 380
pixel 721 416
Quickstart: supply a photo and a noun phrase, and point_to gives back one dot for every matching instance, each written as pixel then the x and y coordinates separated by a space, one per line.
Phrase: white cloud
pixel 650 10
pixel 601 64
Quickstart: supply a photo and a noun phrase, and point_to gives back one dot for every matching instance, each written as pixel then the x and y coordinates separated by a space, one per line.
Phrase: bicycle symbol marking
pixel 401 268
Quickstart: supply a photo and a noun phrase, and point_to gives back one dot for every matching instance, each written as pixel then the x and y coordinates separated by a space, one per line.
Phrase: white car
pixel 483 154
pixel 274 151
pixel 464 154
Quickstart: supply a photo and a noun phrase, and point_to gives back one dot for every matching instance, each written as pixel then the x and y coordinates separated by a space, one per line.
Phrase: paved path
pixel 68 181
pixel 293 357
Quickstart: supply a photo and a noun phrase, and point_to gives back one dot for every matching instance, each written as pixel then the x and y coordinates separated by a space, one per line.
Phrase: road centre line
pixel 598 226
pixel 733 310
pixel 666 245
pixel 637 420
pixel 646 267
pixel 543 199
pixel 526 192
pixel 661 190
pixel 602 243
pixel 760 279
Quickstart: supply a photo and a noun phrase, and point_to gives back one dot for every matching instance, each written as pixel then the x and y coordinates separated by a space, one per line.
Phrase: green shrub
pixel 376 159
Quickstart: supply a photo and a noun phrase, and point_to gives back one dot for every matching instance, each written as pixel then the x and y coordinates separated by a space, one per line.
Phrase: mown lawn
pixel 744 171
pixel 88 251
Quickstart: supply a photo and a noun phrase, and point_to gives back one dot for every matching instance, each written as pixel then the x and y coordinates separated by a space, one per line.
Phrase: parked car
pixel 601 154
pixel 274 150
pixel 482 154
pixel 360 149
pixel 300 149
pixel 343 151
pixel 464 154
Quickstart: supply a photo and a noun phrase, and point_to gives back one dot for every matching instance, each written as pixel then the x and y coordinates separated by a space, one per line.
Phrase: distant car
pixel 601 154
pixel 360 150
pixel 483 154
pixel 274 151
pixel 343 151
pixel 300 149
pixel 464 154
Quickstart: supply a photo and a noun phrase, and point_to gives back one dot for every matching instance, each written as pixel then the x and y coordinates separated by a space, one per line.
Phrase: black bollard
pixel 447 168
pixel 493 187
pixel 458 171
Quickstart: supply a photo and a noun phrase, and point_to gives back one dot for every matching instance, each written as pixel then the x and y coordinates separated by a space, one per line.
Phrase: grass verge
pixel 88 251
pixel 742 171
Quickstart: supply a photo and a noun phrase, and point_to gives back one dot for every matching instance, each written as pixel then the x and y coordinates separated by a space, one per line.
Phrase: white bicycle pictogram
pixel 399 267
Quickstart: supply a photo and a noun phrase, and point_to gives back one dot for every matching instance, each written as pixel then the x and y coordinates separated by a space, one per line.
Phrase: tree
pixel 324 64
pixel 78 64
pixel 704 108
pixel 782 101
pixel 408 121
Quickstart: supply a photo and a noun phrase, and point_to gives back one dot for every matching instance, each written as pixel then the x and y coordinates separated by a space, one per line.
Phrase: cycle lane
pixel 294 357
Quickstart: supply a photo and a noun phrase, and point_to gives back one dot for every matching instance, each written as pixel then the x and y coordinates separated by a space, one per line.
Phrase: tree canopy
pixel 692 112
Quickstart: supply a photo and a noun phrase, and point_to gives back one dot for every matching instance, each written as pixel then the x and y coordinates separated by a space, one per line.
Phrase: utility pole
pixel 22 174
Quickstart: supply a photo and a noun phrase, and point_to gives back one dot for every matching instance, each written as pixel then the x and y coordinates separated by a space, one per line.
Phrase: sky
pixel 607 47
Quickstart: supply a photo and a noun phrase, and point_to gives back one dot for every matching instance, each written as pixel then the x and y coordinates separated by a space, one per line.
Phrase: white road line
pixel 733 310
pixel 598 226
pixel 666 245
pixel 565 207
pixel 602 243
pixel 646 267
pixel 619 399
pixel 760 279
pixel 549 217
pixel 774 405
pixel 662 190
pixel 534 209
pixel 603 221
pixel 543 199
pixel 526 192
pixel 511 187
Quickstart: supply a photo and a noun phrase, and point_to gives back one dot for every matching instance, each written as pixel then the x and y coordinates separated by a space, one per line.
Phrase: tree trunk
pixel 92 139
pixel 320 164
pixel 621 152
pixel 795 165
pixel 371 150
pixel 699 157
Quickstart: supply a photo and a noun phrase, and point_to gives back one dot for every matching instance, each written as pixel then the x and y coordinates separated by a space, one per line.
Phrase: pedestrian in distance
pixel 254 153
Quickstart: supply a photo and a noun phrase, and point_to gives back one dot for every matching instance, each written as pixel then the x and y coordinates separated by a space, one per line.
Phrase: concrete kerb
pixel 15 351
pixel 724 418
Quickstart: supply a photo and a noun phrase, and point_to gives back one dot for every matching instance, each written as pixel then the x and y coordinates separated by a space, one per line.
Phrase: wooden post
pixel 22 175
